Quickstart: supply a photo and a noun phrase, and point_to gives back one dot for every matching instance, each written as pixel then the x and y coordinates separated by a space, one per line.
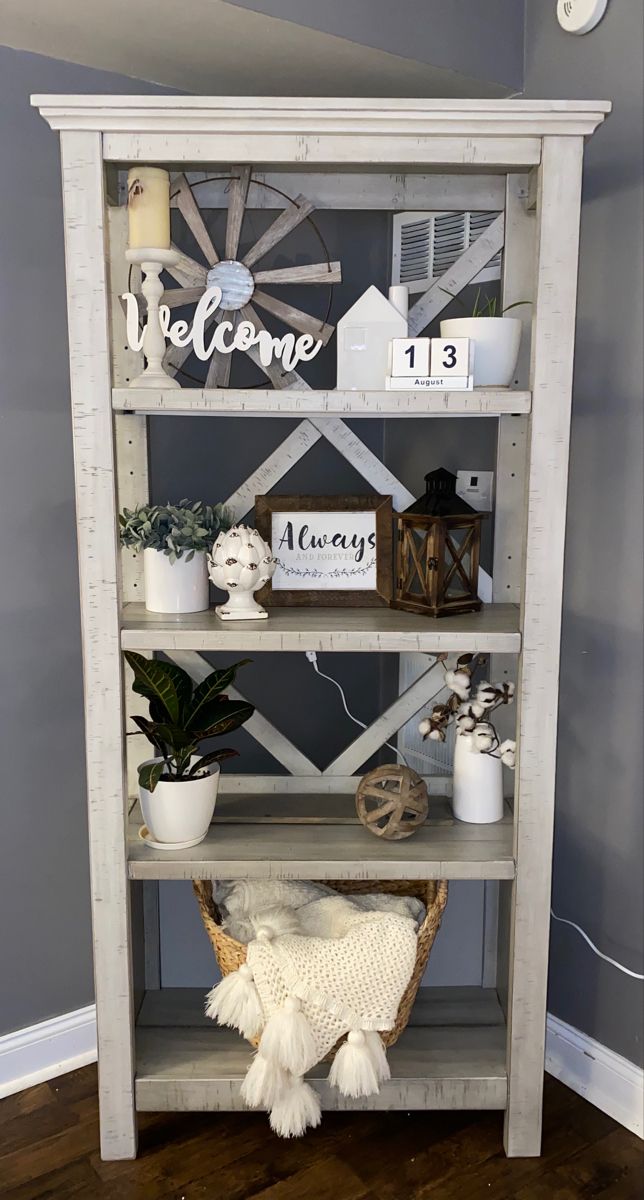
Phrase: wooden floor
pixel 49 1136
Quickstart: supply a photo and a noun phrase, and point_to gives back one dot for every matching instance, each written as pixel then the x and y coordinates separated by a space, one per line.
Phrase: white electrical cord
pixel 613 963
pixel 313 659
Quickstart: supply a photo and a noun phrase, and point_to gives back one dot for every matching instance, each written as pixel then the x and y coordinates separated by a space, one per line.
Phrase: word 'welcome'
pixel 290 350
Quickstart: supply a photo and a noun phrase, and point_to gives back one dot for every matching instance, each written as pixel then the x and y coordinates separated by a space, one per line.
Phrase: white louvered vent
pixel 426 245
pixel 426 757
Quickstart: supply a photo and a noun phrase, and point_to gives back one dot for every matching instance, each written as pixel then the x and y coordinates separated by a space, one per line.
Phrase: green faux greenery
pixel 174 529
pixel 183 715
pixel 487 307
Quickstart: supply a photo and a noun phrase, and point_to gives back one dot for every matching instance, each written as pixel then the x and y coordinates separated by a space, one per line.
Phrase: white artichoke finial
pixel 240 563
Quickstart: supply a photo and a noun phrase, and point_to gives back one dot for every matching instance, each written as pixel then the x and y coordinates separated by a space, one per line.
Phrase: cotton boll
pixel 436 735
pixel 425 726
pixel 486 695
pixel 465 723
pixel 458 682
pixel 483 738
pixel 507 752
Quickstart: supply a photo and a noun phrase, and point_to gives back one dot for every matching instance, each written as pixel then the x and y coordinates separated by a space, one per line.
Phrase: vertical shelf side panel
pixel 519 277
pixel 89 350
pixel 132 488
pixel 553 331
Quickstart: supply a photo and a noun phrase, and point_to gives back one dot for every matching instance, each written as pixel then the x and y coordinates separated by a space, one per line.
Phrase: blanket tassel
pixel 235 1002
pixel 287 1038
pixel 353 1070
pixel 297 1110
pixel 264 1083
pixel 378 1056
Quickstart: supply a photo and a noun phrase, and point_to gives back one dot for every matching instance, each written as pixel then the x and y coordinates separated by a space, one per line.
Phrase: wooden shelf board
pixel 493 630
pixel 256 402
pixel 249 839
pixel 452 1055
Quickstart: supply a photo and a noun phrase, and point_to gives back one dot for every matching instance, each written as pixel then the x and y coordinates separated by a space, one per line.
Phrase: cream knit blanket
pixel 319 965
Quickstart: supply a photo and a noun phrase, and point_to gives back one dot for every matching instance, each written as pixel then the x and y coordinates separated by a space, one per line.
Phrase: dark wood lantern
pixel 437 551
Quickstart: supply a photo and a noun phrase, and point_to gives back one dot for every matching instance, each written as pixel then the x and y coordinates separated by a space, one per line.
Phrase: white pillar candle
pixel 399 297
pixel 148 208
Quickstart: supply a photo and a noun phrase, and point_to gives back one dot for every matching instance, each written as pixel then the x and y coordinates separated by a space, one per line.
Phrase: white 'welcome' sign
pixel 289 349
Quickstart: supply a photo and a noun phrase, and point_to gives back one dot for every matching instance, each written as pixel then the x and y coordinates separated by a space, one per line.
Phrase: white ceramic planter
pixel 175 587
pixel 181 810
pixel 496 346
pixel 477 794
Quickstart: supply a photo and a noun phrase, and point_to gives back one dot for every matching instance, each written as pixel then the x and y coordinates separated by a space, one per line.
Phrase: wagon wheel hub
pixel 236 282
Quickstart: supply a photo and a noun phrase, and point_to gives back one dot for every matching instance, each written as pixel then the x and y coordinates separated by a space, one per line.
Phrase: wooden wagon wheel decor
pixel 392 802
pixel 241 277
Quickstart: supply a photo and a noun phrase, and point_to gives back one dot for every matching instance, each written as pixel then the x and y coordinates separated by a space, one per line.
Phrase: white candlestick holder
pixel 152 261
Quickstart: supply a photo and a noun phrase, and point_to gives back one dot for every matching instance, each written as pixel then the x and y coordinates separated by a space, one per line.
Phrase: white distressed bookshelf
pixel 480 1047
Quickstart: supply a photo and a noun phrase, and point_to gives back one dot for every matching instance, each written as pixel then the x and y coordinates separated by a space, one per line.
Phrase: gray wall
pixel 481 40
pixel 44 902
pixel 598 843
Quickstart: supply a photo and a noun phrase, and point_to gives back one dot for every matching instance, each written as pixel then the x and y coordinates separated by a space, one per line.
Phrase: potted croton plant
pixel 175 539
pixel 496 339
pixel 479 753
pixel 178 787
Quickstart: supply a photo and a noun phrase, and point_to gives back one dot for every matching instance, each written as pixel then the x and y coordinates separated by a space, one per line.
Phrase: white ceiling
pixel 211 47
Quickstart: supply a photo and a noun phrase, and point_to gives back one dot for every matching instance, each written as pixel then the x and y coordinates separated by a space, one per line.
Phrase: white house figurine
pixel 364 334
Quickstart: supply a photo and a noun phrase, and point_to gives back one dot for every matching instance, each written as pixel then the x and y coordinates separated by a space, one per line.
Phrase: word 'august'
pixel 311 541
pixel 290 350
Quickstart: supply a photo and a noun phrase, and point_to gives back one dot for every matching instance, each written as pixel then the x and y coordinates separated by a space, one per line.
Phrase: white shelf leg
pixel 553 332
pixel 84 204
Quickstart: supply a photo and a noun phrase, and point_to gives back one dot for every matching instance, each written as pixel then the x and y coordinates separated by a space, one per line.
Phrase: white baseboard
pixel 607 1080
pixel 46 1050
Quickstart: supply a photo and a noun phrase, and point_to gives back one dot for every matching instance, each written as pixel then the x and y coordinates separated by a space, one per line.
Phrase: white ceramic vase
pixel 477 794
pixel 240 563
pixel 180 810
pixel 496 346
pixel 175 587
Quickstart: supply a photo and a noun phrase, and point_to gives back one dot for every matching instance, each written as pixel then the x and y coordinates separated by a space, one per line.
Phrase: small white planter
pixel 181 810
pixel 496 346
pixel 175 587
pixel 477 794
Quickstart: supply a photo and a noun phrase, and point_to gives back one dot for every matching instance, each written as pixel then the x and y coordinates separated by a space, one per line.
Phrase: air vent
pixel 426 245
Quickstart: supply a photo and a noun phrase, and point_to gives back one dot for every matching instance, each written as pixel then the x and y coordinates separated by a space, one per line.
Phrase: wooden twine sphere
pixel 392 802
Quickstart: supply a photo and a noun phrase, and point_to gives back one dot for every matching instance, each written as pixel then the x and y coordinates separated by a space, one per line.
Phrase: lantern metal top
pixel 440 498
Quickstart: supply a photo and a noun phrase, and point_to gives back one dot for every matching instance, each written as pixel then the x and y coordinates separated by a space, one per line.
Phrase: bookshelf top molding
pixel 130 121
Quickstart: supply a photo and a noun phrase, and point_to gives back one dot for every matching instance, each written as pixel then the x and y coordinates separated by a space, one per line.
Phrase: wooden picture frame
pixel 266 507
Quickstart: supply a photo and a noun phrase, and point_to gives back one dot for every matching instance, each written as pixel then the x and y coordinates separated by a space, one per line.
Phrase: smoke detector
pixel 580 16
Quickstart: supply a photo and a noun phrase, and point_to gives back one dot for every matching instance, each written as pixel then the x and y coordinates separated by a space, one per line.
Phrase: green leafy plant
pixel 486 307
pixel 183 715
pixel 174 529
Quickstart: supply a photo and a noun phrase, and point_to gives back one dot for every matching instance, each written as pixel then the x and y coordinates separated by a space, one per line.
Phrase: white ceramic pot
pixel 496 346
pixel 175 587
pixel 180 810
pixel 477 794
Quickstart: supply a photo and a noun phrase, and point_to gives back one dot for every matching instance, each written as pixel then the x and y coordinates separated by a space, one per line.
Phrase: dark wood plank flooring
pixel 49 1149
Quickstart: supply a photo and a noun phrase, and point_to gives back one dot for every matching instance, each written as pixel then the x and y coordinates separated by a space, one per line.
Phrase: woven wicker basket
pixel 230 954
